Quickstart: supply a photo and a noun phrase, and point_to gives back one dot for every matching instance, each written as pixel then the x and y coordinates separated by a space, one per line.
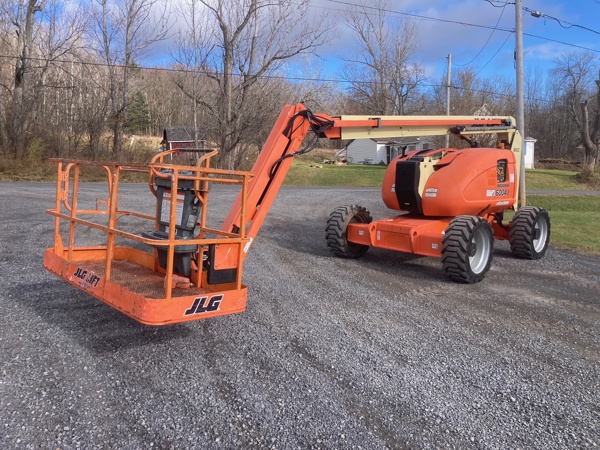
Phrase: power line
pixel 267 77
pixel 494 55
pixel 563 43
pixel 488 39
pixel 467 24
pixel 502 4
pixel 561 22
pixel 536 14
pixel 420 17
pixel 427 18
pixel 539 14
pixel 415 16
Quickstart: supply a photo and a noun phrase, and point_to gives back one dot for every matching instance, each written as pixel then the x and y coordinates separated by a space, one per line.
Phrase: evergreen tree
pixel 137 120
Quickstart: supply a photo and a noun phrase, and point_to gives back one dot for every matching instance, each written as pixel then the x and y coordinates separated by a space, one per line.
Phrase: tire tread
pixel 335 232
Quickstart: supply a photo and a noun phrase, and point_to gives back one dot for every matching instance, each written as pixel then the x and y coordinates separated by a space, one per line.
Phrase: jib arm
pixel 269 170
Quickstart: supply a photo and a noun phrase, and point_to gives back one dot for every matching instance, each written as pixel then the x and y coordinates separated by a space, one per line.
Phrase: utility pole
pixel 522 200
pixel 448 81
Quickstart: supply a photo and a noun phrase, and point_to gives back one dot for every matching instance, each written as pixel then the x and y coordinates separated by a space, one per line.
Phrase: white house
pixel 380 151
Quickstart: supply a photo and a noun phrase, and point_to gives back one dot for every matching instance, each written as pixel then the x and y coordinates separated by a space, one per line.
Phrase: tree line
pixel 73 82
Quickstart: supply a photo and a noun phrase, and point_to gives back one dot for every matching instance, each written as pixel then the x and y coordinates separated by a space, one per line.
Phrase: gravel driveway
pixel 380 352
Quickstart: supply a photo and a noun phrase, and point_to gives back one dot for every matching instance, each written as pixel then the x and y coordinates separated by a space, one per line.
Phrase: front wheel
pixel 467 249
pixel 336 232
pixel 530 233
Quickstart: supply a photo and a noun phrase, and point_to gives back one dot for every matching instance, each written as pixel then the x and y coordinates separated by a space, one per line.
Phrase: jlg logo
pixel 200 305
pixel 86 277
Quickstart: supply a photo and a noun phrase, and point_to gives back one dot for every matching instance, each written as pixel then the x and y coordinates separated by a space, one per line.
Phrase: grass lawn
pixel 556 180
pixel 315 174
pixel 574 220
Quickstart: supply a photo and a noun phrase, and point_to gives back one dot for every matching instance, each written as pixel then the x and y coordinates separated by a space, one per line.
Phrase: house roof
pixel 180 134
pixel 400 140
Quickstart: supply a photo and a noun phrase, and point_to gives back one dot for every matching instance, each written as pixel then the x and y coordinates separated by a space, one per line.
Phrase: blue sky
pixel 478 33
pixel 465 28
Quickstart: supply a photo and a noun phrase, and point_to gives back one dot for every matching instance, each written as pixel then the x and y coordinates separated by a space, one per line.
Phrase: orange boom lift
pixel 450 205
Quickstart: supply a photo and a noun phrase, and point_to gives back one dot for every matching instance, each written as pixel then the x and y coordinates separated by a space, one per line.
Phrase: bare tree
pixel 548 119
pixel 590 129
pixel 246 41
pixel 91 103
pixel 5 68
pixel 45 33
pixel 167 105
pixel 60 38
pixel 193 49
pixel 23 19
pixel 473 95
pixel 123 32
pixel 575 73
pixel 383 80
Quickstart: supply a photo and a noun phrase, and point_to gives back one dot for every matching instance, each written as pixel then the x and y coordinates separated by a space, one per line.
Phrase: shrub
pixel 590 176
pixel 35 152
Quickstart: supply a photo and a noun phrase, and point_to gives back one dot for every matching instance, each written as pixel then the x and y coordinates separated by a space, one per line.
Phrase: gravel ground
pixel 380 352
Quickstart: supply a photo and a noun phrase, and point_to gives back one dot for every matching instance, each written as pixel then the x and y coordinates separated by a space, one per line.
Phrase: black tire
pixel 337 227
pixel 530 233
pixel 467 249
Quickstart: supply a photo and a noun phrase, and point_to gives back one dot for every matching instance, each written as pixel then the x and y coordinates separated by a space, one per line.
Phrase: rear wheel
pixel 336 232
pixel 530 233
pixel 467 249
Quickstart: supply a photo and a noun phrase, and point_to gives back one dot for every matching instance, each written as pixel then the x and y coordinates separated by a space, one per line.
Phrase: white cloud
pixel 446 34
